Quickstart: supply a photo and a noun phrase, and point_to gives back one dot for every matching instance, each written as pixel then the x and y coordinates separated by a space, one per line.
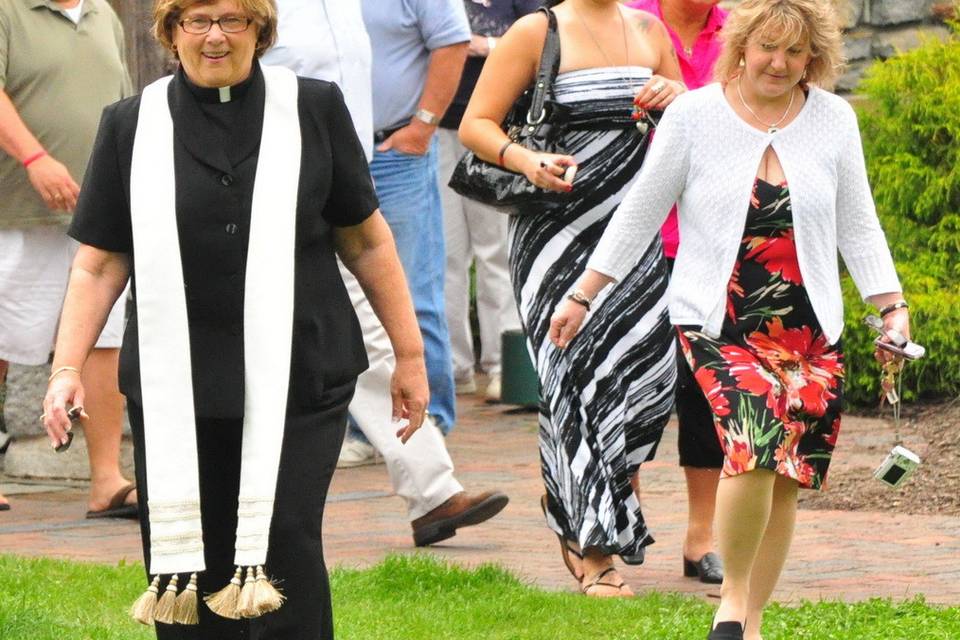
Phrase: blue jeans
pixel 410 201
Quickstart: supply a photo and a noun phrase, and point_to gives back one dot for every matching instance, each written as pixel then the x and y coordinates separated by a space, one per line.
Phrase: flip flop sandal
pixel 118 507
pixel 565 549
pixel 599 582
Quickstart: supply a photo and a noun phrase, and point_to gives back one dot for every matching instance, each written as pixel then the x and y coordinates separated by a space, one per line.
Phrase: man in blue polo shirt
pixel 419 47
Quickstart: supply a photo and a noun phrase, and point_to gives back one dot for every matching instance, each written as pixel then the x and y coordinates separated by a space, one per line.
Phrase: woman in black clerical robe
pixel 225 192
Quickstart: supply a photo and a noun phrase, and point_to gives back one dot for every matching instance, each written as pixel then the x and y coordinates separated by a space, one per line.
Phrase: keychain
pixel 900 463
pixel 891 384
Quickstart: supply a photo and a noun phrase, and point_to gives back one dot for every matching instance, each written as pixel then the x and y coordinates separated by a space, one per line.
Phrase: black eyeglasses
pixel 227 24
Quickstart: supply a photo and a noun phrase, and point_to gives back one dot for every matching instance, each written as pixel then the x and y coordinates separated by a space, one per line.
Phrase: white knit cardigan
pixel 705 158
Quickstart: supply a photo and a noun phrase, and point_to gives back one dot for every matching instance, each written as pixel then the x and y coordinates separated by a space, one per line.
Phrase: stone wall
pixel 877 29
pixel 880 28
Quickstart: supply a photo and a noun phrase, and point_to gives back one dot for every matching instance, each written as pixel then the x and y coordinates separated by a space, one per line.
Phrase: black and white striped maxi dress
pixel 605 400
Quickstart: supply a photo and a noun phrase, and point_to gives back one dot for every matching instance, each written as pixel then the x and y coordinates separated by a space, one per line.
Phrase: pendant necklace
pixel 771 128
pixel 636 112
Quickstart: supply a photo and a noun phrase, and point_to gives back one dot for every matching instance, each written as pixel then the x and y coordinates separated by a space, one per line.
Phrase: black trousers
pixel 311 444
pixel 697 440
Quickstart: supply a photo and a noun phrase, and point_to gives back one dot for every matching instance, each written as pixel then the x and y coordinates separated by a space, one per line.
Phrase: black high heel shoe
pixel 727 631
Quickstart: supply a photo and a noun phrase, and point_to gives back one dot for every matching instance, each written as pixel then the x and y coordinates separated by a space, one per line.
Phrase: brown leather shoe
pixel 460 510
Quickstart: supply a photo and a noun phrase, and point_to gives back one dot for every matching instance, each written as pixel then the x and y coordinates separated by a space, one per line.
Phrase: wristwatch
pixel 427 117
pixel 581 298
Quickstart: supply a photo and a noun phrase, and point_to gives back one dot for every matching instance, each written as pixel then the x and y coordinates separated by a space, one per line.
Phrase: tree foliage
pixel 910 122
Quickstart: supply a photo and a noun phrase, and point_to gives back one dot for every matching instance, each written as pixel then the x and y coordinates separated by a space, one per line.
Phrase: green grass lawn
pixel 420 598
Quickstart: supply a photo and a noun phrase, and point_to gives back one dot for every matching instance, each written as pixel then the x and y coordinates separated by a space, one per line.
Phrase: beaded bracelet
pixel 890 308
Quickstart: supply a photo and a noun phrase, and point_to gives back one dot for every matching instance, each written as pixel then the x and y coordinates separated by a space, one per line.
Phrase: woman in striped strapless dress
pixel 605 399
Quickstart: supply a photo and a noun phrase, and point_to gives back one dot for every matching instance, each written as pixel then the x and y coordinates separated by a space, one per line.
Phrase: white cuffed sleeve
pixel 860 238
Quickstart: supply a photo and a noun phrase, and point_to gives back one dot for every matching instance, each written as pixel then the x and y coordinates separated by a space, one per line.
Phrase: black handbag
pixel 535 121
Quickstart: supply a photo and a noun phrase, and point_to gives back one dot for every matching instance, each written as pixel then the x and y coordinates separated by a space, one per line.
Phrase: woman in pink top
pixel 694 26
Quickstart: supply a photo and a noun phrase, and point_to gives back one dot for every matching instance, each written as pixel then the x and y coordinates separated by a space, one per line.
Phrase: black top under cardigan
pixel 215 160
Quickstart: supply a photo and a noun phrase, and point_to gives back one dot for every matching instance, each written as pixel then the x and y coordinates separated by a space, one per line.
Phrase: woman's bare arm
pixel 368 251
pixel 510 69
pixel 97 278
pixel 667 73
pixel 669 63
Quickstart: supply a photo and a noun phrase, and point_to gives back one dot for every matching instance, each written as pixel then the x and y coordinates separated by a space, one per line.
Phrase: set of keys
pixel 888 382
pixel 900 463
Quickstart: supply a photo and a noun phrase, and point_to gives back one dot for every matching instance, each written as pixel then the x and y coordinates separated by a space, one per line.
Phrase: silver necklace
pixel 642 126
pixel 771 128
pixel 623 27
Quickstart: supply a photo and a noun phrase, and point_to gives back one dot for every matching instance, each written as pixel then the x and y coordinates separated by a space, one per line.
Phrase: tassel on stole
pixel 247 596
pixel 167 602
pixel 185 609
pixel 246 605
pixel 267 597
pixel 225 602
pixel 144 608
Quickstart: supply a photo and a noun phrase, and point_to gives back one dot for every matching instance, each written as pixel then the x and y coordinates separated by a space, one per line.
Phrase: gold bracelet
pixel 61 370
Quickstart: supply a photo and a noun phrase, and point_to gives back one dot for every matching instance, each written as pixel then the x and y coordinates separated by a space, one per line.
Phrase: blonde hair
pixel 808 21
pixel 166 13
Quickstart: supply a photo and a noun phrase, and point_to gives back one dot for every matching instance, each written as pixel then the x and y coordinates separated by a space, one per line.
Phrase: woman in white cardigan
pixel 769 175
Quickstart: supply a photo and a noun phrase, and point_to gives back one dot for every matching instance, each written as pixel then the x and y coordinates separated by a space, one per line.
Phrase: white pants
pixel 474 232
pixel 421 471
pixel 34 270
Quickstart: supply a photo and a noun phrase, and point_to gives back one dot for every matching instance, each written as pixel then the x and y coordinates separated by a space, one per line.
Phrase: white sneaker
pixel 466 386
pixel 356 453
pixel 493 388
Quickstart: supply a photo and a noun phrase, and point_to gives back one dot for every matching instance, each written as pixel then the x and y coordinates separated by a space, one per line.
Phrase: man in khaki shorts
pixel 61 63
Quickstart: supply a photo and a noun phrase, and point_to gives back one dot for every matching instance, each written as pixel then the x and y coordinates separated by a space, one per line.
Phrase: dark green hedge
pixel 910 121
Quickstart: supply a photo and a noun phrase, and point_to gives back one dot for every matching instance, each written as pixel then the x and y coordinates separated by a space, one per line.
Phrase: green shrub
pixel 911 133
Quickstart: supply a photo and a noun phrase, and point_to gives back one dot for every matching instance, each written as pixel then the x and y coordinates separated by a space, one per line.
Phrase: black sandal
pixel 565 549
pixel 598 582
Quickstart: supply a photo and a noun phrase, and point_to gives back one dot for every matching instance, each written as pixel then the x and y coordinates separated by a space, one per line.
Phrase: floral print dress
pixel 773 382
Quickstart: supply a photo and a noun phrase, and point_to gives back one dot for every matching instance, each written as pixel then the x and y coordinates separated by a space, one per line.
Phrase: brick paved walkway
pixel 836 555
